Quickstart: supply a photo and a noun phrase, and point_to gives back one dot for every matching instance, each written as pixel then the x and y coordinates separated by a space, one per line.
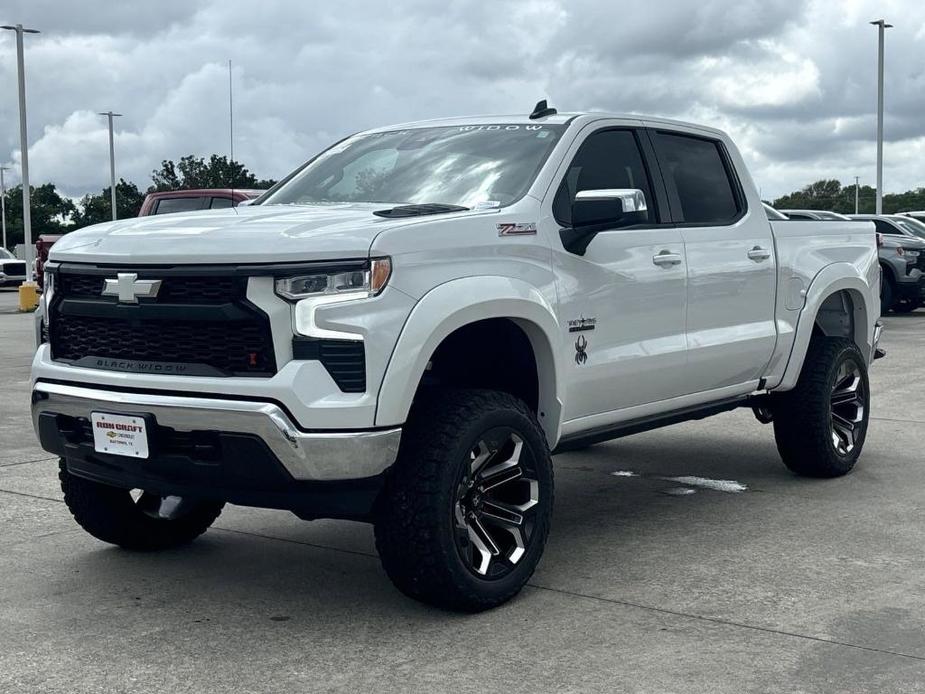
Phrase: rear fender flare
pixel 865 301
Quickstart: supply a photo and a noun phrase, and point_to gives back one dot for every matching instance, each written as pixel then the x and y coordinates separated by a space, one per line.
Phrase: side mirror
pixel 594 211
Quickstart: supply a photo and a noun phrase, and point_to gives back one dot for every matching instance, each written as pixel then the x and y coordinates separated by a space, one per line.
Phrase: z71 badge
pixel 513 229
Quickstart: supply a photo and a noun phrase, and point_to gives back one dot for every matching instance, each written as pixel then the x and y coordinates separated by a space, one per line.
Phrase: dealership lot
pixel 791 584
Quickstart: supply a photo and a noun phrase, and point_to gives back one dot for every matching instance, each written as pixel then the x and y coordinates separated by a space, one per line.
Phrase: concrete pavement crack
pixel 574 594
pixel 31 496
pixel 727 622
pixel 26 462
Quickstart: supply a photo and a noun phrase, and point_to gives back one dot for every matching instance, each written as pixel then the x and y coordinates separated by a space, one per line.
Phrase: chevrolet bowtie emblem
pixel 128 287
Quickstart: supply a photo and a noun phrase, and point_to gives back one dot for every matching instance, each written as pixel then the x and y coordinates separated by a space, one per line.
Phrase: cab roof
pixel 582 117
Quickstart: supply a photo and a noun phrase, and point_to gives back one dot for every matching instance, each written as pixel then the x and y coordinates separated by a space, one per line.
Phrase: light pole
pixel 24 148
pixel 856 184
pixel 3 202
pixel 882 26
pixel 112 162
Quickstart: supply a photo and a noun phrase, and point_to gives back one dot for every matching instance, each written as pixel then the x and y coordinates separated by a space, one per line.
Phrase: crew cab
pixel 405 329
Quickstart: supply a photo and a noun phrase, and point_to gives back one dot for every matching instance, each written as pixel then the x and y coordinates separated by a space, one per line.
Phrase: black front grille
pixel 14 269
pixel 194 326
pixel 173 290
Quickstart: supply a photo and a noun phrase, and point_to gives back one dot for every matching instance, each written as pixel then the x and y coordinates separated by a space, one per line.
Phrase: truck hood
pixel 258 234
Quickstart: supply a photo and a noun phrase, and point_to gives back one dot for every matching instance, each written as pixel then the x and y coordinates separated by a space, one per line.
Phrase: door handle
pixel 758 254
pixel 666 258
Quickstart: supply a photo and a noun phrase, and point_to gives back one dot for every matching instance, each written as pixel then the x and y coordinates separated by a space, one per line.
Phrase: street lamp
pixel 3 202
pixel 882 26
pixel 112 162
pixel 24 147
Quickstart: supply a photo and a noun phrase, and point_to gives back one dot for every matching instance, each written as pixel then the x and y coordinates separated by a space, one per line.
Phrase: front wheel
pixel 821 425
pixel 464 516
pixel 139 520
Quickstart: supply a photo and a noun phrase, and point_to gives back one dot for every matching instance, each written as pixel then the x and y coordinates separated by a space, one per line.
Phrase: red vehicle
pixel 42 245
pixel 196 199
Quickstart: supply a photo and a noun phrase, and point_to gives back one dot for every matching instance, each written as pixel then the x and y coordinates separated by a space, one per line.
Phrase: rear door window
pixel 185 204
pixel 701 187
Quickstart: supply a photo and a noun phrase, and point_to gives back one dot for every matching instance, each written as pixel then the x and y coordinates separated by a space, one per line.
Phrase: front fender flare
pixel 453 305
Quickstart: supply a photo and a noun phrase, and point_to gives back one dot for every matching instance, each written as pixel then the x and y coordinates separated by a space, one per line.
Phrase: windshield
pixel 913 226
pixel 6 255
pixel 466 165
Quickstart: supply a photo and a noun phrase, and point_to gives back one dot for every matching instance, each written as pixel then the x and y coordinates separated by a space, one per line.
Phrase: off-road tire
pixel 415 527
pixel 112 515
pixel 803 419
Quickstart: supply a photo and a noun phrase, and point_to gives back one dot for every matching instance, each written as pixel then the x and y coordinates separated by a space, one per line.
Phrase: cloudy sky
pixel 793 81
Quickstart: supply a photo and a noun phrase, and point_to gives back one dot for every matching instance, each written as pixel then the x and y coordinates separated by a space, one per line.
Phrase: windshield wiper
pixel 419 210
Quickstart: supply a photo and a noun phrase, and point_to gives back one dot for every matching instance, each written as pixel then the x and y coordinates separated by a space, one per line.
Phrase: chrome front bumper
pixel 315 456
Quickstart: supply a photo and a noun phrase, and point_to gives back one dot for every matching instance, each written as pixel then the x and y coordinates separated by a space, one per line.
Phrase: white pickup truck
pixel 403 330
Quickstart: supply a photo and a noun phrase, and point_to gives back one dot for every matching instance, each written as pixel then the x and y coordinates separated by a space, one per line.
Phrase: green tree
pixel 96 208
pixel 832 195
pixel 51 213
pixel 197 172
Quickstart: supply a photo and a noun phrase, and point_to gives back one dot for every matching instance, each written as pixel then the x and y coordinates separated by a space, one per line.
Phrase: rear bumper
pixel 310 456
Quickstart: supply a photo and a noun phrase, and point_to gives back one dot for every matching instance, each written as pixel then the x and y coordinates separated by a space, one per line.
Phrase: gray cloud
pixel 792 81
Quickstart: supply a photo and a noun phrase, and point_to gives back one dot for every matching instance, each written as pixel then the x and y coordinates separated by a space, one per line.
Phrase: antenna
pixel 541 110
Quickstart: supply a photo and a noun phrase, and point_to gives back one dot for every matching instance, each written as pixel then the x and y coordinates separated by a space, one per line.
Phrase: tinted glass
pixel 886 228
pixel 467 165
pixel 169 205
pixel 694 168
pixel 607 159
pixel 913 226
pixel 221 203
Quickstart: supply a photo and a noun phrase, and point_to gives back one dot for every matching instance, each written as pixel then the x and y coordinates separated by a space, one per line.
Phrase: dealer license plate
pixel 119 434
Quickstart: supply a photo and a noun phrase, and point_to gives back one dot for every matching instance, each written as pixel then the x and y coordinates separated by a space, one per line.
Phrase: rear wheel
pixel 135 519
pixel 464 516
pixel 821 425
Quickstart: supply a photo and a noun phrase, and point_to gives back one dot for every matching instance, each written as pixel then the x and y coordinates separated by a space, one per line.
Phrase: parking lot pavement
pixel 789 585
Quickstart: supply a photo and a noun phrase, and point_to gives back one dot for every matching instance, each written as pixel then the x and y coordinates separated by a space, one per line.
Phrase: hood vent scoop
pixel 418 210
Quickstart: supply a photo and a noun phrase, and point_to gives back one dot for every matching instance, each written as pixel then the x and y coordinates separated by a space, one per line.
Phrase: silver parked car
pixel 818 215
pixel 902 261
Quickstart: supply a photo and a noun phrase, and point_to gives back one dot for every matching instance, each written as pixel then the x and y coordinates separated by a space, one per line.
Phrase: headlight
pixel 343 284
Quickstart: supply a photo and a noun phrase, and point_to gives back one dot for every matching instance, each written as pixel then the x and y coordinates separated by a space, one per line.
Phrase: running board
pixel 641 424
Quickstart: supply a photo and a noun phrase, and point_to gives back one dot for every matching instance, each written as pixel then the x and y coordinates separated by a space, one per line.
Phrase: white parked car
pixel 12 269
pixel 403 331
